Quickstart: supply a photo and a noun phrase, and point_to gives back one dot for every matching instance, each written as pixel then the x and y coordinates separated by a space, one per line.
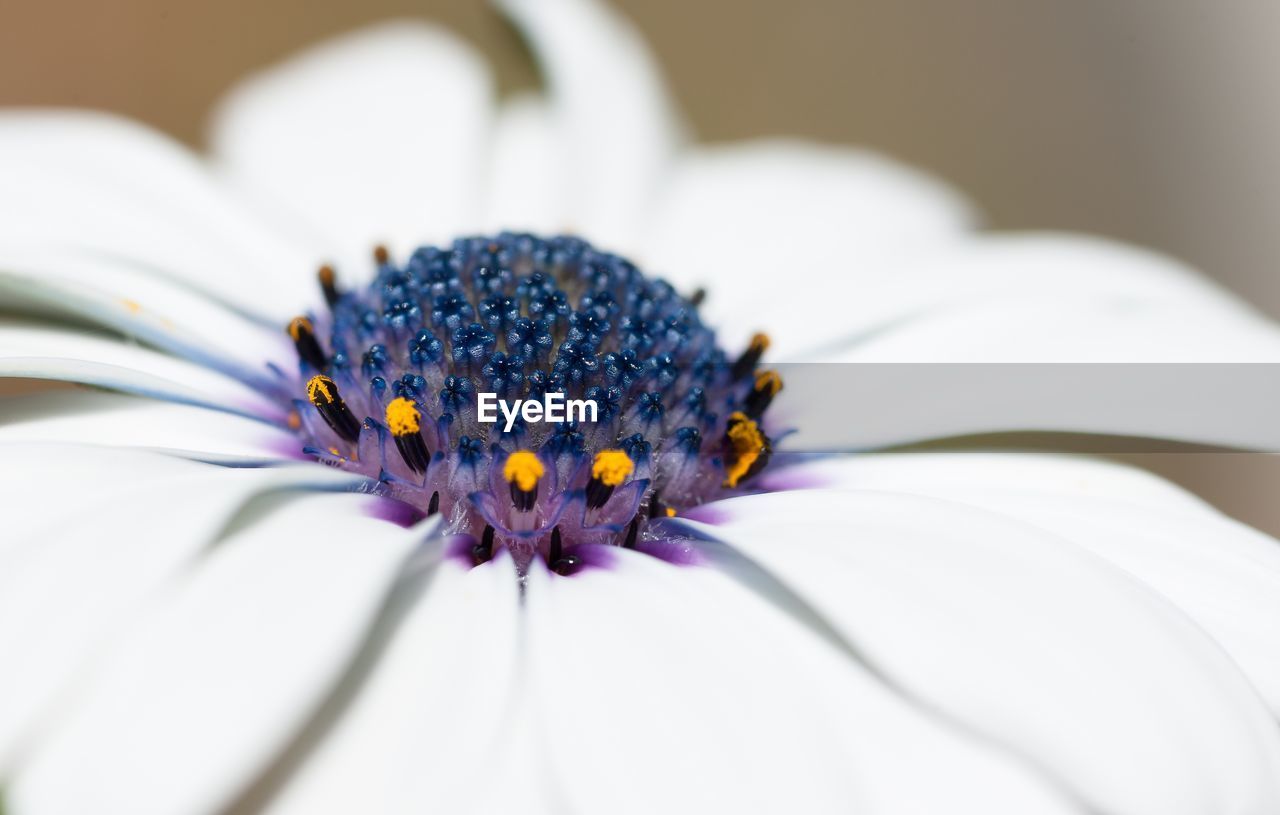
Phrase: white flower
pixel 921 633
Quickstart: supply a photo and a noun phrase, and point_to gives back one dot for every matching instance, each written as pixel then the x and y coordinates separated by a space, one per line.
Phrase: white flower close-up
pixel 224 589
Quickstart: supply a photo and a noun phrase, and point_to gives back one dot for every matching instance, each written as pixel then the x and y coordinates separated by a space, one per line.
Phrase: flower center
pixel 396 379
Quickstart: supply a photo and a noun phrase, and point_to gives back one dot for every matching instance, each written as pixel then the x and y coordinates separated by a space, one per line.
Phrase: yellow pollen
pixel 326 275
pixel 671 512
pixel 294 420
pixel 746 442
pixel 299 325
pixel 760 341
pixel 133 305
pixel 768 382
pixel 612 467
pixel 403 417
pixel 523 469
pixel 380 255
pixel 321 390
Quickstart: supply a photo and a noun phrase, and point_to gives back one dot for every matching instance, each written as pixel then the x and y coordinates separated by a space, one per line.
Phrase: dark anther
pixel 634 529
pixel 380 255
pixel 328 284
pixel 523 499
pixel 746 363
pixel 434 506
pixel 598 493
pixel 413 449
pixel 405 423
pixel 328 403
pixel 483 551
pixel 556 547
pixel 767 385
pixel 566 565
pixel 697 297
pixel 304 339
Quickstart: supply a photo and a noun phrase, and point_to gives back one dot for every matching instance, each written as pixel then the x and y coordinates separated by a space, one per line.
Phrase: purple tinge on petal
pixel 287 449
pixel 397 512
pixel 459 548
pixel 592 556
pixel 797 477
pixel 674 550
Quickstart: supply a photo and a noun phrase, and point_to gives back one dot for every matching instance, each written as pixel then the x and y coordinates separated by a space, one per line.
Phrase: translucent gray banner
pixel 867 406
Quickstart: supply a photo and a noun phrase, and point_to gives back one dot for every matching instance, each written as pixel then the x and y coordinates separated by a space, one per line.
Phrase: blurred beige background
pixel 1155 121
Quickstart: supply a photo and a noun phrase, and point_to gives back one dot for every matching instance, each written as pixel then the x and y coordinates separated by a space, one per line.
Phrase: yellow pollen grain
pixel 768 382
pixel 299 325
pixel 671 512
pixel 321 390
pixel 612 467
pixel 760 342
pixel 523 469
pixel 746 442
pixel 294 420
pixel 403 417
pixel 326 275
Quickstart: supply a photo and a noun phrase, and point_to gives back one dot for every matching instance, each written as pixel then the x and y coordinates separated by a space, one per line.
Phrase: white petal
pixel 613 120
pixel 152 309
pixel 1223 574
pixel 117 420
pixel 74 356
pixel 526 172
pixel 748 221
pixel 1029 639
pixel 1031 297
pixel 429 728
pixel 221 671
pixel 375 137
pixel 668 689
pixel 53 481
pixel 90 534
pixel 106 186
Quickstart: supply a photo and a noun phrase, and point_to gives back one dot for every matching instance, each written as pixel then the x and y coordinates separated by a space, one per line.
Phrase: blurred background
pixel 1153 121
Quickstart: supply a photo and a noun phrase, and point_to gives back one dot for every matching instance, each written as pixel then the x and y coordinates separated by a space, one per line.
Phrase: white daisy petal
pixel 1033 297
pixel 73 356
pixel 1223 574
pixel 92 534
pixel 117 420
pixel 740 219
pixel 1077 328
pixel 613 120
pixel 221 671
pixel 427 728
pixel 103 185
pixel 159 312
pixel 669 689
pixel 1026 637
pixel 526 170
pixel 379 136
